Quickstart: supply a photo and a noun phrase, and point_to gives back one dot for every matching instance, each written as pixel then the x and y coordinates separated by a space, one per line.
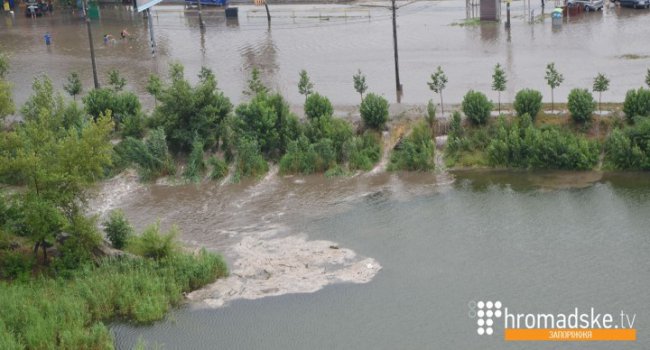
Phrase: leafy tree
pixel 636 104
pixel 73 86
pixel 581 105
pixel 305 86
pixel 195 163
pixel 437 85
pixel 151 156
pixel 554 79
pixel 249 161
pixel 499 81
pixel 360 85
pixel 317 106
pixel 601 84
pixel 118 229
pixel 116 80
pixel 255 84
pixel 528 101
pixel 6 101
pixel 154 87
pixel 186 111
pixel 122 105
pixel 647 78
pixel 476 107
pixel 374 111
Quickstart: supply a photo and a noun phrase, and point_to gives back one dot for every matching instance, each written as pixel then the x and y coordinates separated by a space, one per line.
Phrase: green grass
pixel 57 313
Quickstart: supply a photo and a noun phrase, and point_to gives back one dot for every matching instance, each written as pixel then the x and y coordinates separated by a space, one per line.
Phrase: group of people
pixel 108 39
pixel 39 8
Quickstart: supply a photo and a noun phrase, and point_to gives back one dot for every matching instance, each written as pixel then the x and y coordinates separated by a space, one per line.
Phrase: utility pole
pixel 92 47
pixel 268 14
pixel 397 82
pixel 151 36
pixel 200 15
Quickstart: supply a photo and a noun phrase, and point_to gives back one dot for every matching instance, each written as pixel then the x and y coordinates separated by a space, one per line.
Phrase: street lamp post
pixel 92 46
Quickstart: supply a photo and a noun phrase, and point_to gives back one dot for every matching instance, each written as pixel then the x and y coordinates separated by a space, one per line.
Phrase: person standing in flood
pixel 48 38
pixel 124 34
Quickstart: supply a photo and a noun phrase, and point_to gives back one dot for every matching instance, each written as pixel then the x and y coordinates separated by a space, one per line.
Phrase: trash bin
pixel 232 12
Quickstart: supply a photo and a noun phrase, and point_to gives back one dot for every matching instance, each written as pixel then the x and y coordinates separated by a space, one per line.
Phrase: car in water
pixel 637 4
pixel 591 5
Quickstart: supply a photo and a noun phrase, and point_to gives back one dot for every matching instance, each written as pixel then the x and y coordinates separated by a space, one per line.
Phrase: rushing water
pixel 331 48
pixel 544 242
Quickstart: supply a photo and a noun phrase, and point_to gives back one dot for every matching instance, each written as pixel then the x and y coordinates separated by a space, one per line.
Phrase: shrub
pixel 477 107
pixel 195 163
pixel 219 168
pixel 16 265
pixel 317 106
pixel 337 130
pixel 154 244
pixel 118 229
pixel 249 160
pixel 528 101
pixel 123 105
pixel 151 157
pixel 416 152
pixel 629 148
pixel 362 152
pixel 581 105
pixel 637 104
pixel 133 126
pixel 522 145
pixel 305 158
pixel 374 111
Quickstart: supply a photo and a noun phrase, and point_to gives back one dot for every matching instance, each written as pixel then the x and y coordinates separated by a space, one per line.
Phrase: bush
pixel 195 163
pixel 118 229
pixel 317 106
pixel 581 105
pixel 637 104
pixel 153 244
pixel 249 160
pixel 151 157
pixel 528 101
pixel 416 152
pixel 305 158
pixel 16 265
pixel 629 149
pixel 337 130
pixel 362 152
pixel 219 168
pixel 133 126
pixel 374 111
pixel 521 145
pixel 477 107
pixel 123 105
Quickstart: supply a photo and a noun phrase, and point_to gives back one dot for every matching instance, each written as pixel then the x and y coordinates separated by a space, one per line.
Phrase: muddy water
pixel 544 242
pixel 332 41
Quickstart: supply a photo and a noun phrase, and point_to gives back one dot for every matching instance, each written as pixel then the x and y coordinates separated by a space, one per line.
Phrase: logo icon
pixel 486 313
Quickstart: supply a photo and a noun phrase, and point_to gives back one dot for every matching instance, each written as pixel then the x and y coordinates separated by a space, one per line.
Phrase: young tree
pixel 116 80
pixel 431 114
pixel 647 77
pixel 305 86
pixel 499 81
pixel 154 87
pixel 6 101
pixel 73 86
pixel 255 84
pixel 360 83
pixel 601 84
pixel 554 79
pixel 437 84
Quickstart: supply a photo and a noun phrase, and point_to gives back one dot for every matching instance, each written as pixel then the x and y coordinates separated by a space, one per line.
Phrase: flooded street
pixel 331 48
pixel 548 242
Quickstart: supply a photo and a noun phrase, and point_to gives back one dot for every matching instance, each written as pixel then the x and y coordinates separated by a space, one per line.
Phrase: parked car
pixel 637 4
pixel 591 5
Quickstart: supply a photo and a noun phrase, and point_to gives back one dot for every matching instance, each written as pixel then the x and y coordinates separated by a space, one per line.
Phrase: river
pixel 537 242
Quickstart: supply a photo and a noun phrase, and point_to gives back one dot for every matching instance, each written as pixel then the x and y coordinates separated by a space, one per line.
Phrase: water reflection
pixel 263 56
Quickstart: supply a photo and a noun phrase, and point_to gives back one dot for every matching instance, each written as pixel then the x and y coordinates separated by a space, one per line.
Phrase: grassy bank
pixel 69 313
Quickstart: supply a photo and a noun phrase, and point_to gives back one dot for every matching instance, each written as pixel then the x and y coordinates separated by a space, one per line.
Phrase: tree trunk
pixel 44 247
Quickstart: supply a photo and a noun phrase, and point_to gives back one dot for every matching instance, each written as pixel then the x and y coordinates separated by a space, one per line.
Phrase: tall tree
pixel 255 84
pixel 305 86
pixel 554 79
pixel 360 83
pixel 6 101
pixel 499 81
pixel 437 85
pixel 116 80
pixel 601 84
pixel 73 86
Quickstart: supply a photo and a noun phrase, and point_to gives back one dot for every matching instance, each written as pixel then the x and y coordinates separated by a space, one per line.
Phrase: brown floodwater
pixel 332 41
